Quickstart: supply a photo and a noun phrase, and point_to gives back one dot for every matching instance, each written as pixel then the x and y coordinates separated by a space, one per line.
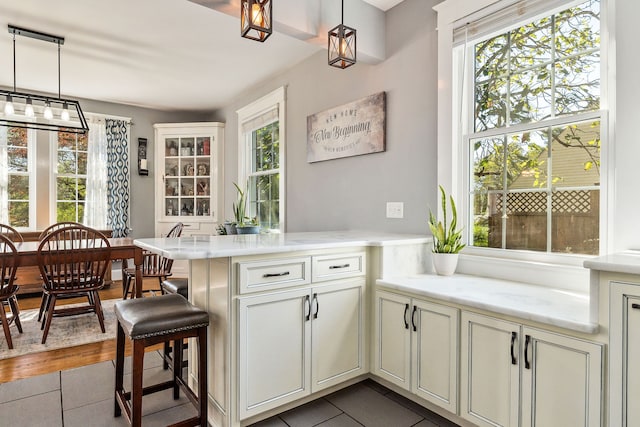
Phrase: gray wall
pixel 351 193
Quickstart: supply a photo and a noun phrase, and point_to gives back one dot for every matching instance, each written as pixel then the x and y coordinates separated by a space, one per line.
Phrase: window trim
pixel 452 171
pixel 274 99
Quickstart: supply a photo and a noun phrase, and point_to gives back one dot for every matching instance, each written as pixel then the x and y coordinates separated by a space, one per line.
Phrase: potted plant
pixel 244 225
pixel 447 240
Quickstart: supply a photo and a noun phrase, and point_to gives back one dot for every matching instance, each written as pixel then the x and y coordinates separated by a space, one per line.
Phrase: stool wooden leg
pixel 177 367
pixel 203 398
pixel 119 368
pixel 136 386
pixel 165 355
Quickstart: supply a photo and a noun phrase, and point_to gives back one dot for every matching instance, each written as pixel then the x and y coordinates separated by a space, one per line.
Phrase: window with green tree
pixel 71 176
pixel 534 135
pixel 17 176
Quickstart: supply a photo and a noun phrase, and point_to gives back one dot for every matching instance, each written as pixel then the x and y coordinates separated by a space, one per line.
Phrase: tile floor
pixel 84 397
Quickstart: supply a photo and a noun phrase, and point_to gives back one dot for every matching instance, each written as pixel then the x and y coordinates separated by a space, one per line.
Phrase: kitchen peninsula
pixel 289 312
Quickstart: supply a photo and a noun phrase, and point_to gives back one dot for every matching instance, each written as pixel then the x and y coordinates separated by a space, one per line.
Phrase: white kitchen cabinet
pixel 624 353
pixel 416 347
pixel 188 176
pixel 295 342
pixel 560 376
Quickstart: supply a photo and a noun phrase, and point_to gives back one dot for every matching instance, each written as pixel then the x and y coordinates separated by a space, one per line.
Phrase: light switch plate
pixel 395 210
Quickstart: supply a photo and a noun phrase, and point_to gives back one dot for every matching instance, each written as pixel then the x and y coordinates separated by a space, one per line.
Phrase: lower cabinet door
pixel 489 371
pixel 392 342
pixel 435 353
pixel 337 330
pixel 561 381
pixel 274 345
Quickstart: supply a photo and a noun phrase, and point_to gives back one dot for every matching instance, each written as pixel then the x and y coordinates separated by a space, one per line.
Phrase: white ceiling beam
pixel 310 21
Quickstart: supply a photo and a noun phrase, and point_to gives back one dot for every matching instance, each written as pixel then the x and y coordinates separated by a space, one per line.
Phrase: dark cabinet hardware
pixel 514 336
pixel 284 273
pixel 308 305
pixel 406 311
pixel 333 267
pixel 637 306
pixel 527 364
pixel 315 299
pixel 413 318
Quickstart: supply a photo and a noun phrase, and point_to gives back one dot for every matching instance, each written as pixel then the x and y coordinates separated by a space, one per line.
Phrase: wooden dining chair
pixel 73 261
pixel 13 234
pixel 8 265
pixel 50 229
pixel 153 265
pixel 53 227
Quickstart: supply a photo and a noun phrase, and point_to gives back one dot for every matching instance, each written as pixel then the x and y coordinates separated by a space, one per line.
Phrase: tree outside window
pixel 71 177
pixel 535 145
pixel 18 177
pixel 264 177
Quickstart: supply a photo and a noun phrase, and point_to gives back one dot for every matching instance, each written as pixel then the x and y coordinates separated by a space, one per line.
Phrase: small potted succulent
pixel 244 225
pixel 447 240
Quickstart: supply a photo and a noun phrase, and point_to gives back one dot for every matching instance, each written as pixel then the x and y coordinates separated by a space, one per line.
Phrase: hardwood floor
pixel 34 364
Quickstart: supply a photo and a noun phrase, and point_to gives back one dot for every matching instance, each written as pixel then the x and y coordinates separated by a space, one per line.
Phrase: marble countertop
pixel 561 308
pixel 623 262
pixel 202 247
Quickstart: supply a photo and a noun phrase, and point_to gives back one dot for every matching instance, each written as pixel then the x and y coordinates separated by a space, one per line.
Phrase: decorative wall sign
pixel 349 130
pixel 143 169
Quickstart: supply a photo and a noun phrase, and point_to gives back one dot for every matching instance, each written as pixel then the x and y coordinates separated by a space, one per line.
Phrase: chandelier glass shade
pixel 35 111
pixel 255 19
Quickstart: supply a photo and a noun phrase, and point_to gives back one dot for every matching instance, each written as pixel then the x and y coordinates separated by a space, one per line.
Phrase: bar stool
pixel 150 321
pixel 173 286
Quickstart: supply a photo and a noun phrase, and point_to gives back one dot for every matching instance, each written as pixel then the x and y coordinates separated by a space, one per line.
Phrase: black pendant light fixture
pixel 342 44
pixel 33 111
pixel 255 19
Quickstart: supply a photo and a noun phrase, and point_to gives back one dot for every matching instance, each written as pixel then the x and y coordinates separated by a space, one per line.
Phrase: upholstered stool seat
pixel 150 321
pixel 176 286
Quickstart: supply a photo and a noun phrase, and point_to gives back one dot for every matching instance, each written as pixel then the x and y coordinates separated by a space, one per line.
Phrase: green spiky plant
pixel 240 207
pixel 446 240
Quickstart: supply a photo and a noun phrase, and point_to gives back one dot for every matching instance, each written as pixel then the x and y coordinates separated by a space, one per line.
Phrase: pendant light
pixel 33 111
pixel 342 44
pixel 255 19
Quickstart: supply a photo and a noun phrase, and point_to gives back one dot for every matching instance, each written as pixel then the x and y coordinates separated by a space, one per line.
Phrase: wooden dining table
pixel 122 248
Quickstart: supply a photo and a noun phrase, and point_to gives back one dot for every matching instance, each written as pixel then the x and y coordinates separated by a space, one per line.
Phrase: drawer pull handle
pixel 637 306
pixel 284 273
pixel 406 310
pixel 527 364
pixel 333 267
pixel 514 336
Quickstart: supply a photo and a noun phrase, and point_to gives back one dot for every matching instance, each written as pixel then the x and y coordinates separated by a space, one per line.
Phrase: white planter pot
pixel 445 264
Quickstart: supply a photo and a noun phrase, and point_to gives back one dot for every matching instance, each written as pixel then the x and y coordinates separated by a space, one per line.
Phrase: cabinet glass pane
pixel 203 207
pixel 186 146
pixel 171 207
pixel 186 167
pixel 171 146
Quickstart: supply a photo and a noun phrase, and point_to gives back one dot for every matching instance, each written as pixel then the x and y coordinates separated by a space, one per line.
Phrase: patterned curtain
pixel 118 176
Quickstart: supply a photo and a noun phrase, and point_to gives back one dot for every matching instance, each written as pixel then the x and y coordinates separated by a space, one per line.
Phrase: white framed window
pixel 261 148
pixel 524 147
pixel 17 177
pixel 69 184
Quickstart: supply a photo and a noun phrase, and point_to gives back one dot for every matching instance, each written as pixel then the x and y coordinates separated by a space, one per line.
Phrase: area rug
pixel 64 332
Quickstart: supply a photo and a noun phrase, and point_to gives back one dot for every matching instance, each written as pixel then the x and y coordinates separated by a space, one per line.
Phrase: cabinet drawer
pixel 273 274
pixel 338 266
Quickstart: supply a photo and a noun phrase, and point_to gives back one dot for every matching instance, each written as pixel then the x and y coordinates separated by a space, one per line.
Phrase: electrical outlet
pixel 395 210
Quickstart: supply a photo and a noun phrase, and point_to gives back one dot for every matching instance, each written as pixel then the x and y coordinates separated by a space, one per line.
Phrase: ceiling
pixel 161 54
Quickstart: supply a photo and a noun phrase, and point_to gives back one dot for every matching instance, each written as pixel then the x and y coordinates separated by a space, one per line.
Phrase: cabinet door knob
pixel 514 336
pixel 527 340
pixel 406 311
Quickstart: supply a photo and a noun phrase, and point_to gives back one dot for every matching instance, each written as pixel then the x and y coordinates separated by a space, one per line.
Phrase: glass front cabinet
pixel 188 161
